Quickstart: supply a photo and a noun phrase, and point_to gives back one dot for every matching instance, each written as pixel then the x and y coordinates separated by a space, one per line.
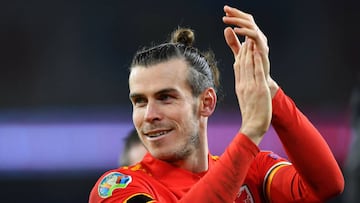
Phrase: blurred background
pixel 64 107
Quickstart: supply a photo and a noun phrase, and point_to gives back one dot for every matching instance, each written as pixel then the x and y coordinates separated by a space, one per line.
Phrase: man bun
pixel 183 36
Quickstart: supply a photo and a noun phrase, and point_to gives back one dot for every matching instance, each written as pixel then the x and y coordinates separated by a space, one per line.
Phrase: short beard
pixel 193 141
pixel 185 152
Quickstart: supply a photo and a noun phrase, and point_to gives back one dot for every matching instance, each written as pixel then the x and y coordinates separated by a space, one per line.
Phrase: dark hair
pixel 203 67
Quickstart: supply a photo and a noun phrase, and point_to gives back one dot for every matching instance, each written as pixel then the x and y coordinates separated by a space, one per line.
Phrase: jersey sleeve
pixel 314 174
pixel 281 182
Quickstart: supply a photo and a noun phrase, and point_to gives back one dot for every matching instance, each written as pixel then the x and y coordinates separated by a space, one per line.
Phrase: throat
pixel 193 163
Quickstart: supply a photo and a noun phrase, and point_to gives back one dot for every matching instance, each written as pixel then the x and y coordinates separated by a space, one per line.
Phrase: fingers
pixel 245 26
pixel 243 60
pixel 259 69
pixel 239 63
pixel 250 67
pixel 249 63
pixel 238 18
pixel 230 11
pixel 244 67
pixel 252 92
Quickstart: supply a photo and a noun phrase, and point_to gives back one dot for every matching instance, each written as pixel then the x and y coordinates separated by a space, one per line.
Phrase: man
pixel 134 150
pixel 173 91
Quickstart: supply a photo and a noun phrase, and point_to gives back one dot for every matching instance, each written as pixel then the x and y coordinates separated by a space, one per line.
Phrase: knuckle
pixel 236 65
pixel 250 17
pixel 265 38
pixel 240 89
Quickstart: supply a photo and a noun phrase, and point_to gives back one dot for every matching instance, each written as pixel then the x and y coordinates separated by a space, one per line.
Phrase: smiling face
pixel 165 113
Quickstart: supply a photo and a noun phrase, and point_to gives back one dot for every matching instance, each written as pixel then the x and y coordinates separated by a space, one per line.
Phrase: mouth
pixel 155 135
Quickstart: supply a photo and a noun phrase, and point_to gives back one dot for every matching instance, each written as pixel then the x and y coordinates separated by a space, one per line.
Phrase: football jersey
pixel 155 179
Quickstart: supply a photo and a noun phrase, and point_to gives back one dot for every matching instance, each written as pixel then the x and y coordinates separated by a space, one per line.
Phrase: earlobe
pixel 208 103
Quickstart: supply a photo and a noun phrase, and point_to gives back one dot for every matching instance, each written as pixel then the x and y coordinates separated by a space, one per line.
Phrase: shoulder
pixel 120 183
pixel 266 161
pixel 125 173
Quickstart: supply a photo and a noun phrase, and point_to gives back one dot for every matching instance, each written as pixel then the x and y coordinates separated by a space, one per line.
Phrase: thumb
pixel 232 40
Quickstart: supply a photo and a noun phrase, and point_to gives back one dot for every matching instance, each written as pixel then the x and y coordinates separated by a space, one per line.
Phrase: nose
pixel 152 112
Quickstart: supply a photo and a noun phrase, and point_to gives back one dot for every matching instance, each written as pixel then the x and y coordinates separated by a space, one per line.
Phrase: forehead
pixel 169 74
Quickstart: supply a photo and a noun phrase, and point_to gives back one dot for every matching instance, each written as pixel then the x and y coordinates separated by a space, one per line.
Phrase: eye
pixel 165 98
pixel 139 101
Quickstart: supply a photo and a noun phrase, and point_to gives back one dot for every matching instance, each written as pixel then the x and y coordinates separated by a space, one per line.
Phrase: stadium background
pixel 64 106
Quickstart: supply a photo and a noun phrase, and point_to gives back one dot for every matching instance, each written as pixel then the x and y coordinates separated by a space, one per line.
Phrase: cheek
pixel 189 120
pixel 136 116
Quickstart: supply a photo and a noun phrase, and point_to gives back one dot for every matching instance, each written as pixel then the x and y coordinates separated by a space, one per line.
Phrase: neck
pixel 197 161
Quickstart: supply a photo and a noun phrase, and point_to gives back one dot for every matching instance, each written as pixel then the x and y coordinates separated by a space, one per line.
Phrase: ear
pixel 208 102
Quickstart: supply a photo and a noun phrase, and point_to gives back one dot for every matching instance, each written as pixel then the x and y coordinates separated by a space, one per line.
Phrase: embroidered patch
pixel 111 182
pixel 244 195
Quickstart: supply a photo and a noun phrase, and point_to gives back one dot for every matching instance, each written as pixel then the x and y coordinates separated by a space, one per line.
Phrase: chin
pixel 171 155
pixel 162 155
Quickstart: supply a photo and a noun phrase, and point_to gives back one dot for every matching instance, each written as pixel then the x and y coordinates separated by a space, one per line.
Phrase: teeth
pixel 157 134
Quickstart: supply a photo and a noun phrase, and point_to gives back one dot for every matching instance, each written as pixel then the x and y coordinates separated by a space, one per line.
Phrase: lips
pixel 156 134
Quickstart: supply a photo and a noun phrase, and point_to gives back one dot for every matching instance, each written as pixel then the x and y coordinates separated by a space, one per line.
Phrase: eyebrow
pixel 163 91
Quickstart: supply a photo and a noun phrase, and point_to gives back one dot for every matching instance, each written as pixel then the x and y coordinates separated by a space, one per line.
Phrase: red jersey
pixel 161 181
pixel 242 174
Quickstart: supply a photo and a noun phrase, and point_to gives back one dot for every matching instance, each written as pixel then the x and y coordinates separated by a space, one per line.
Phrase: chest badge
pixel 244 195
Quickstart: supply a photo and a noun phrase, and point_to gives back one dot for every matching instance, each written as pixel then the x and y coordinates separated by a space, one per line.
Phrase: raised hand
pixel 252 92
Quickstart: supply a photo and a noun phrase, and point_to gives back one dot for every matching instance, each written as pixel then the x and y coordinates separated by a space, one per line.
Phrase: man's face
pixel 165 113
